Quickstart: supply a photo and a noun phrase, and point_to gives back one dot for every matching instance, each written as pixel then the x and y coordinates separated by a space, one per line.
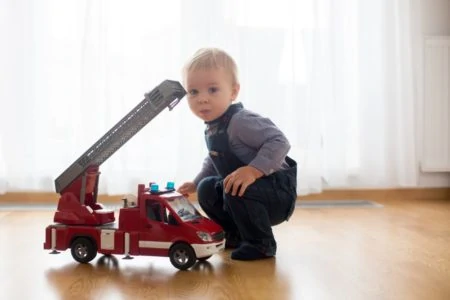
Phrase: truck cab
pixel 164 220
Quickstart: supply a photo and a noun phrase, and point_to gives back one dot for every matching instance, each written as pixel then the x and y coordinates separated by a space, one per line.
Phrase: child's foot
pixel 232 240
pixel 248 252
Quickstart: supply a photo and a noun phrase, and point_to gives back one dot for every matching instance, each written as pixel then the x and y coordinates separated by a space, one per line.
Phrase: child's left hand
pixel 241 179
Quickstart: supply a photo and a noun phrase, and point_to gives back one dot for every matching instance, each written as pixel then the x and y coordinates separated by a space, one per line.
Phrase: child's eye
pixel 213 90
pixel 193 92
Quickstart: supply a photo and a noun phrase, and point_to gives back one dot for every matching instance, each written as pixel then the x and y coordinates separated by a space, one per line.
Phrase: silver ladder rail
pixel 166 94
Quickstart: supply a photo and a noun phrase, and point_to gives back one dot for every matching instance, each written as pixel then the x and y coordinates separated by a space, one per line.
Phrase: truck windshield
pixel 184 208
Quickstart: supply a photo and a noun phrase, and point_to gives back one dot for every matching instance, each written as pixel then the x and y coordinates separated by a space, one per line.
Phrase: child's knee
pixel 206 189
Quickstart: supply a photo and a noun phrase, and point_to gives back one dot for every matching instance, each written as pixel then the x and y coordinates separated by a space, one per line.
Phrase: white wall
pixel 435 19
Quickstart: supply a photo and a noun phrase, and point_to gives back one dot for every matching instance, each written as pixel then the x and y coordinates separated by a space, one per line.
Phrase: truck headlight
pixel 206 237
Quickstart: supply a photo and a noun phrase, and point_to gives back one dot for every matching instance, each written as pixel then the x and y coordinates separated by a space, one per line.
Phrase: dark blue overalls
pixel 269 201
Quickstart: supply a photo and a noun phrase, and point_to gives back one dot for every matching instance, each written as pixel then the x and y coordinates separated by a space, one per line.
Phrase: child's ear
pixel 236 88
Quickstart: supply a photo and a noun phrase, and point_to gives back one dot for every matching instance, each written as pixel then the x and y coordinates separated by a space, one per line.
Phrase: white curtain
pixel 337 76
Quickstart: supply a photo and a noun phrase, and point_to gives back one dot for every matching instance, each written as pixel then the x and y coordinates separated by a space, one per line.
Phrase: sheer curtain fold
pixel 338 79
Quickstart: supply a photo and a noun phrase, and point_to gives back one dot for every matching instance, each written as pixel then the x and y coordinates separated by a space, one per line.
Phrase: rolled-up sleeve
pixel 262 135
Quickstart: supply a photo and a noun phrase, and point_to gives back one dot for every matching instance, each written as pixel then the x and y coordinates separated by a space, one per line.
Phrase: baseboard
pixel 382 194
pixel 365 194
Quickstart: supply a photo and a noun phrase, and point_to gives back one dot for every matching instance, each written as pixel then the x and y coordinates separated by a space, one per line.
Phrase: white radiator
pixel 436 105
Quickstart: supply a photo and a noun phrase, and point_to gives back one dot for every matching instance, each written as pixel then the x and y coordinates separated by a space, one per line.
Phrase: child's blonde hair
pixel 212 58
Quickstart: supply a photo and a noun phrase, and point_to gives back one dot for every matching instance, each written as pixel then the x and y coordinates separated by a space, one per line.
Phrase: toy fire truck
pixel 156 222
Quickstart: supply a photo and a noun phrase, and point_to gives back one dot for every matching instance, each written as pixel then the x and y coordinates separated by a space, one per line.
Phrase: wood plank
pixel 400 251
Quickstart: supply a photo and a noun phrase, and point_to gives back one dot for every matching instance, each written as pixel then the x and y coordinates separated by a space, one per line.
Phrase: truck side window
pixel 154 211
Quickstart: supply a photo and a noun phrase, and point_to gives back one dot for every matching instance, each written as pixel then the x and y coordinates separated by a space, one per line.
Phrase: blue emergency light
pixel 154 187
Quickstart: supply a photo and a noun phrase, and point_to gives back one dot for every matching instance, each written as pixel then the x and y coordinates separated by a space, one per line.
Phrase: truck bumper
pixel 203 250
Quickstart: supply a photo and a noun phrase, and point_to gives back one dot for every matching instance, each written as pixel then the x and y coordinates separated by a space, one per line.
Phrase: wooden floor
pixel 399 251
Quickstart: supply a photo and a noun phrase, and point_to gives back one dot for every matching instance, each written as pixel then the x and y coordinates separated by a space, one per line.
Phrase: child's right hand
pixel 187 188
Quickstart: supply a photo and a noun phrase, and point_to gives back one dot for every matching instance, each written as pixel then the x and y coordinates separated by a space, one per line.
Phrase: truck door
pixel 155 239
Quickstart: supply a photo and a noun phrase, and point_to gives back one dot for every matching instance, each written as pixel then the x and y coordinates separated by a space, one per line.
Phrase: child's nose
pixel 203 99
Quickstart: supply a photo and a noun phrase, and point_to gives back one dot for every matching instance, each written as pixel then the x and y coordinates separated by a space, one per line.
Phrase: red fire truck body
pixel 161 223
pixel 156 222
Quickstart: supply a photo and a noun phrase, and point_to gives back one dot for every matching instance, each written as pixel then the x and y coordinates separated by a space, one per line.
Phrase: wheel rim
pixel 81 250
pixel 181 257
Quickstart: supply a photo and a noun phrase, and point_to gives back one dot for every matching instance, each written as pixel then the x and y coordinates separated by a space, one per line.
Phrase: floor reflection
pixel 108 277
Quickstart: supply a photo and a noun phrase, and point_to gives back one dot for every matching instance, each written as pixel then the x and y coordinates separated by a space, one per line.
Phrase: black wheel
pixel 182 256
pixel 83 250
pixel 204 258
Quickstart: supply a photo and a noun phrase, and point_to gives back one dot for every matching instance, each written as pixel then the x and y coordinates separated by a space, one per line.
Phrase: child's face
pixel 210 92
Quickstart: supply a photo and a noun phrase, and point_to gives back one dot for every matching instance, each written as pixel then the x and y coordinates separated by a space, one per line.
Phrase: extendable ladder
pixel 167 94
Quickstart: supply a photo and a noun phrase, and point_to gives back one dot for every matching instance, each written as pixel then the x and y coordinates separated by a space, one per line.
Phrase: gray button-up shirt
pixel 256 141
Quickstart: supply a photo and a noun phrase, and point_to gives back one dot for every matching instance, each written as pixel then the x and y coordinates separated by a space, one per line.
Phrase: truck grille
pixel 218 236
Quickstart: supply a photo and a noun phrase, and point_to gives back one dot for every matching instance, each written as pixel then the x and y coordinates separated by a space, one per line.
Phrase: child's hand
pixel 242 178
pixel 187 188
